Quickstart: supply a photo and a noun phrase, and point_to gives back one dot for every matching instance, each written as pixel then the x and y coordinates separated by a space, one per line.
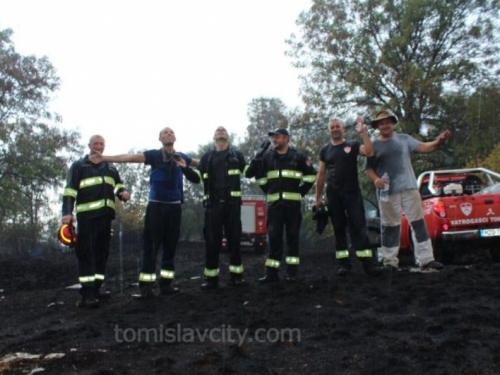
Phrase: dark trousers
pixel 92 249
pixel 347 212
pixel 161 229
pixel 222 219
pixel 283 219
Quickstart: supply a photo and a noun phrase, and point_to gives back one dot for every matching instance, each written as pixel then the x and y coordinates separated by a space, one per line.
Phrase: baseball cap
pixel 279 131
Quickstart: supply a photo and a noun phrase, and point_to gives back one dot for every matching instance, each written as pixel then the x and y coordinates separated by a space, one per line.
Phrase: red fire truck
pixel 253 221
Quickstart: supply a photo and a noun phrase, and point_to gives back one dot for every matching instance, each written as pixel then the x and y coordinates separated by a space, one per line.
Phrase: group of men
pixel 283 173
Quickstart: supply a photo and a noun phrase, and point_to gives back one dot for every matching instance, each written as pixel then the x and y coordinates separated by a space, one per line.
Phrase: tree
pixel 33 150
pixel 398 54
pixel 492 161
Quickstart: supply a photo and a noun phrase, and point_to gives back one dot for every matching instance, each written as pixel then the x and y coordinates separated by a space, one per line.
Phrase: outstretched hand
pixel 96 157
pixel 443 136
pixel 180 162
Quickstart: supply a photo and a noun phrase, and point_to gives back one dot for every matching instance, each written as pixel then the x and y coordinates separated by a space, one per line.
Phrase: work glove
pixel 262 150
pixel 320 216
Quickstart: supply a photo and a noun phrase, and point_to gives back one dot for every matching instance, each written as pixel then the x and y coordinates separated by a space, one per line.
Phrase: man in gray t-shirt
pixel 392 156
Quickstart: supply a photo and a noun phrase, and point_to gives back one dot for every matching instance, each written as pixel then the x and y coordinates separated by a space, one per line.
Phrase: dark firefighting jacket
pixel 235 166
pixel 93 188
pixel 285 178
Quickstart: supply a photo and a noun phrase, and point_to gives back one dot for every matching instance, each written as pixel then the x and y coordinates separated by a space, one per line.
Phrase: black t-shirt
pixel 341 165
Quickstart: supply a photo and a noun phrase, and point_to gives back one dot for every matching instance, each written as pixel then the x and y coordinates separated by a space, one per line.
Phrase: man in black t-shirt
pixel 338 166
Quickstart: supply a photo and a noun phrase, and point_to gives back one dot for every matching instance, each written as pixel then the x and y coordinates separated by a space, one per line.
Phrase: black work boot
pixel 344 269
pixel 166 287
pixel 371 267
pixel 88 297
pixel 100 291
pixel 270 277
pixel 291 274
pixel 237 280
pixel 210 283
pixel 145 291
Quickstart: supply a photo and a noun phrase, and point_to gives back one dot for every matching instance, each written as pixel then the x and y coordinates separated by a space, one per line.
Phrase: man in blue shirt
pixel 163 214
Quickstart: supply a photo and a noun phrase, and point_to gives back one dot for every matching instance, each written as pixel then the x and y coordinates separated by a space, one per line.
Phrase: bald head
pixel 96 144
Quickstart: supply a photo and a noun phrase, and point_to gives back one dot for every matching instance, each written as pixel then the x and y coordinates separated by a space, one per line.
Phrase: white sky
pixel 129 67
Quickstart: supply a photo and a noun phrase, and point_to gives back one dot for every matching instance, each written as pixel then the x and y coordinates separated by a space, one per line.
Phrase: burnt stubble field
pixel 404 322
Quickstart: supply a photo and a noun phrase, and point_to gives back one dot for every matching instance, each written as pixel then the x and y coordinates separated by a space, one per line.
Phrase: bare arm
pixel 427 147
pixel 320 182
pixel 366 149
pixel 377 180
pixel 96 158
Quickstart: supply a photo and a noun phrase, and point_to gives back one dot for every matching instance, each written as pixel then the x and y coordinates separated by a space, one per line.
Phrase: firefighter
pixel 285 175
pixel 220 170
pixel 91 190
pixel 338 166
pixel 163 213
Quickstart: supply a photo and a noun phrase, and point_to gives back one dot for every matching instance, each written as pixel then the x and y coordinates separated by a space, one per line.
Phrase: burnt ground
pixel 406 322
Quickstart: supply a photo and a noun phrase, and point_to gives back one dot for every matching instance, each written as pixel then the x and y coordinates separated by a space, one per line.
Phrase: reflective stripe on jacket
pixel 92 188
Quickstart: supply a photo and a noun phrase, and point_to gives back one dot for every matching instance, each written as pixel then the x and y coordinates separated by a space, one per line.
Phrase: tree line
pixel 434 63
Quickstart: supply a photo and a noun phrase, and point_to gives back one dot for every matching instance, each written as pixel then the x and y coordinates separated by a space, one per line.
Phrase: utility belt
pixel 230 197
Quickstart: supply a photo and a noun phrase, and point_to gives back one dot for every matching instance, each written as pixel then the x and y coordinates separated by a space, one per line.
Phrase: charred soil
pixel 402 322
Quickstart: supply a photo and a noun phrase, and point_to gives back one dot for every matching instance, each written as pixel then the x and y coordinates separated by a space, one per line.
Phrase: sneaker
pixel 432 265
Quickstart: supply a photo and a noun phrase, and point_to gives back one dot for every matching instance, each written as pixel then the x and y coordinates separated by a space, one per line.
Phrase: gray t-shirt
pixel 393 157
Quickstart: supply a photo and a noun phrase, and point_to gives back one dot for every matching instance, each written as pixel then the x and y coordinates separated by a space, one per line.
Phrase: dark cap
pixel 279 131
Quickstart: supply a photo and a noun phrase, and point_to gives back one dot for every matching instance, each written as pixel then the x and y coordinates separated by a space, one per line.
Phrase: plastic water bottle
pixel 384 193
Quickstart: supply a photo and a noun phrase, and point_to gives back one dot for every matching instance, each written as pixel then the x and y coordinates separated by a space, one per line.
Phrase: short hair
pixel 95 136
pixel 166 127
pixel 221 128
pixel 335 119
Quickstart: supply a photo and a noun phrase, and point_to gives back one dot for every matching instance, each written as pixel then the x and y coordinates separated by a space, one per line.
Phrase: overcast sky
pixel 130 68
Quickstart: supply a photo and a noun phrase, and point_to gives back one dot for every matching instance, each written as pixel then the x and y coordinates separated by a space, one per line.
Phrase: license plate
pixel 490 232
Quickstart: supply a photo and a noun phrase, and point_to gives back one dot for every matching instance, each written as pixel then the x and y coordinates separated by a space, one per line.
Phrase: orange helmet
pixel 67 235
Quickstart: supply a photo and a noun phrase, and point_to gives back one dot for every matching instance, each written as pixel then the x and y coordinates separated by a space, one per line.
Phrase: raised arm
pixel 366 149
pixel 426 147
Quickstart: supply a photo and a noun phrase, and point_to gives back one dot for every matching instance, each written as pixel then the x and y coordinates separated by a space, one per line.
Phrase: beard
pixel 168 144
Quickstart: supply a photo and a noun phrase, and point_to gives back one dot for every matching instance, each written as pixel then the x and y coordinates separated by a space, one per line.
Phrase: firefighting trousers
pixel 161 230
pixel 92 249
pixel 283 219
pixel 347 213
pixel 222 219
